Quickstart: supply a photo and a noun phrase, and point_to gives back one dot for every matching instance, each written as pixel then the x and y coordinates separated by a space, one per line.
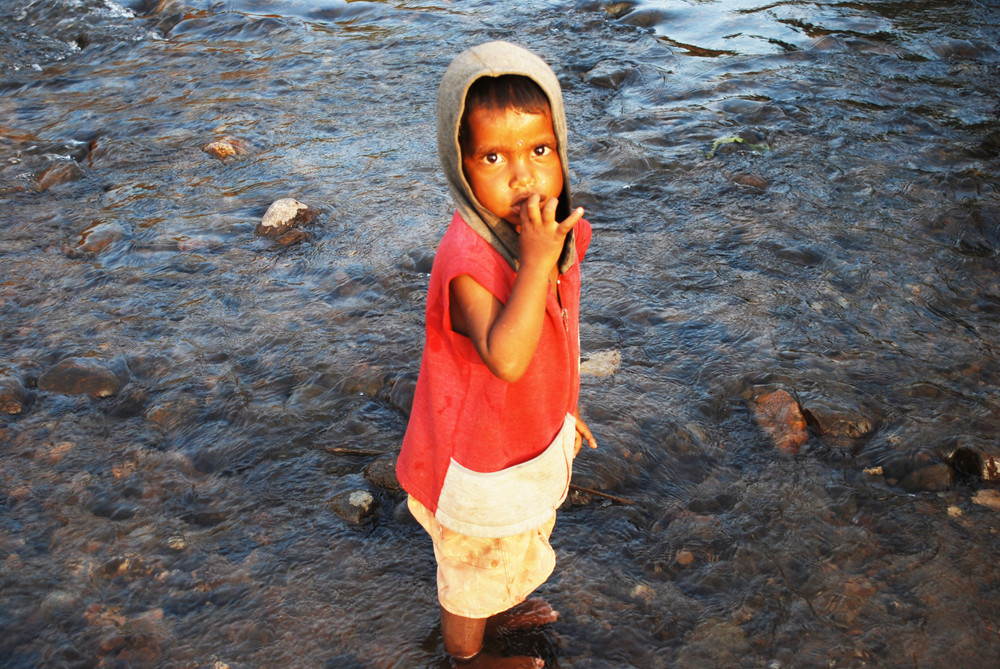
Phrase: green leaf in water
pixel 739 140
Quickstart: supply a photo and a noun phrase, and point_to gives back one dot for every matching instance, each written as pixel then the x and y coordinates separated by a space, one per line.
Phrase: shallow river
pixel 786 196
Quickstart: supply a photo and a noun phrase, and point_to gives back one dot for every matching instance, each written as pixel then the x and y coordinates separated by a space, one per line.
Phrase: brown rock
pixel 96 239
pixel 13 396
pixel 751 180
pixel 59 174
pixel 282 217
pixel 988 498
pixel 79 376
pixel 778 414
pixel 227 147
pixel 382 473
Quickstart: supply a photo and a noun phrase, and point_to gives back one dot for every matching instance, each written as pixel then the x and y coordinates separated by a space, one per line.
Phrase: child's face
pixel 508 156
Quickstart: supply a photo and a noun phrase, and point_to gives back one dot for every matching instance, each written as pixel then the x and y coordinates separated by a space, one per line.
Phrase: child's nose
pixel 521 175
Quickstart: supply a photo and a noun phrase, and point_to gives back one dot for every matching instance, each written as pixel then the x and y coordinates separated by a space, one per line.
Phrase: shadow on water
pixel 795 197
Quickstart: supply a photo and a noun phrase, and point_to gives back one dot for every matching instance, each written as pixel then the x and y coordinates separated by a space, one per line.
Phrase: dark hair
pixel 508 91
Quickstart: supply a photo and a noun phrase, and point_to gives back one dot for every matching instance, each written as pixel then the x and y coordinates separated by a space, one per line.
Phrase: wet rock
pixel 608 74
pixel 973 460
pixel 355 506
pixel 95 240
pixel 79 376
pixel 129 403
pixel 226 148
pixel 833 418
pixel 401 395
pixel 282 218
pixel 751 180
pixel 59 174
pixel 382 474
pixel 13 395
pixel 958 49
pixel 402 515
pixel 778 414
pixel 601 363
pixel 988 498
pixel 932 478
pixel 204 518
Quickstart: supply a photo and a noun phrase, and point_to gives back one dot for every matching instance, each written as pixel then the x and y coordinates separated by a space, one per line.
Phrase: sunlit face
pixel 508 156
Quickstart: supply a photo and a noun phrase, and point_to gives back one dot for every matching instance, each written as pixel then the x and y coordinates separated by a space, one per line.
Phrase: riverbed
pixel 797 197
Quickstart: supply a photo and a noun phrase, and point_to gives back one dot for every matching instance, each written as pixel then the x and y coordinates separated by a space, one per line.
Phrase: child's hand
pixel 582 434
pixel 541 236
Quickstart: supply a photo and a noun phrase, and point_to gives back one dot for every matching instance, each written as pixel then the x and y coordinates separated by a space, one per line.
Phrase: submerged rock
pixel 80 376
pixel 779 415
pixel 58 174
pixel 282 218
pixel 95 240
pixel 13 395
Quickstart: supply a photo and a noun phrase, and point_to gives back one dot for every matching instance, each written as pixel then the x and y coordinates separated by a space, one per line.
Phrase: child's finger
pixel 571 220
pixel 549 209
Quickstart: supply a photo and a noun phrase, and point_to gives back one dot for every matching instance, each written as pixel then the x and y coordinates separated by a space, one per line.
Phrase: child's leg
pixel 463 637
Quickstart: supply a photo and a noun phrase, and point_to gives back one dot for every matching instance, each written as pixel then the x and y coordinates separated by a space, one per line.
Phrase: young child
pixel 494 428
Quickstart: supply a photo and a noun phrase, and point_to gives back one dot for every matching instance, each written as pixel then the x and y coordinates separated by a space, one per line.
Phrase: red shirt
pixel 461 411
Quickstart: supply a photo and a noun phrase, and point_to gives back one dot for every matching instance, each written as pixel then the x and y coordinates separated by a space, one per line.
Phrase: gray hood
pixel 494 59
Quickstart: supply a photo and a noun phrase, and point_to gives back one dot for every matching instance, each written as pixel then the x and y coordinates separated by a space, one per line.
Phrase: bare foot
pixel 526 615
pixel 489 661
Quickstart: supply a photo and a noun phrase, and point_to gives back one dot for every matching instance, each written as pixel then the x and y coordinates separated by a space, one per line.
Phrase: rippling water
pixel 844 249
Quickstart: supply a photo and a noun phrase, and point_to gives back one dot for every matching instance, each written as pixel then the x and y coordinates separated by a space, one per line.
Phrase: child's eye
pixel 542 150
pixel 491 158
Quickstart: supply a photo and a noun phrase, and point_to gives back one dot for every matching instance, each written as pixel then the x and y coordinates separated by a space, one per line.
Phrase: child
pixel 488 451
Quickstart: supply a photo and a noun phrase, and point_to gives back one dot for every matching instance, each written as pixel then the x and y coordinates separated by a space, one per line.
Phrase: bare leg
pixel 463 638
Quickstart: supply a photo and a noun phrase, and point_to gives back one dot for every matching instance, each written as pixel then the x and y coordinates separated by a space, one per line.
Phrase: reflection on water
pixel 840 243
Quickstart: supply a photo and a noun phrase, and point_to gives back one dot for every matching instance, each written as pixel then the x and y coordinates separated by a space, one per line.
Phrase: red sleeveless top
pixel 465 415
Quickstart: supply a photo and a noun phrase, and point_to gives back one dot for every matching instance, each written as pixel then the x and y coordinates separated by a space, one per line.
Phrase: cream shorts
pixel 478 577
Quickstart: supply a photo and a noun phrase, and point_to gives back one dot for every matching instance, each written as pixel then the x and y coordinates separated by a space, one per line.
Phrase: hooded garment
pixel 490 458
pixel 495 59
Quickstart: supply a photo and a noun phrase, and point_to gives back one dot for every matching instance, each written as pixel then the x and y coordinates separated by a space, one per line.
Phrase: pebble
pixel 228 147
pixel 282 218
pixel 751 181
pixel 778 414
pixel 355 506
pixel 988 498
pixel 79 376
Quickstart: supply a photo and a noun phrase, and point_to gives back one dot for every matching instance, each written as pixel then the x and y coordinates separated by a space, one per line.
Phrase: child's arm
pixel 506 336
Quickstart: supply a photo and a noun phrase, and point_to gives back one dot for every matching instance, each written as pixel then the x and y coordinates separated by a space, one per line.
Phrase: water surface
pixel 845 251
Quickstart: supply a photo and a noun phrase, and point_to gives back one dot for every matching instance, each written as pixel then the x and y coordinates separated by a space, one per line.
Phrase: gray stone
pixel 355 505
pixel 382 474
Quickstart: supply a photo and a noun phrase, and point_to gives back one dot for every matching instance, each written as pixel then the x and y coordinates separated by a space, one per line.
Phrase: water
pixel 846 252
